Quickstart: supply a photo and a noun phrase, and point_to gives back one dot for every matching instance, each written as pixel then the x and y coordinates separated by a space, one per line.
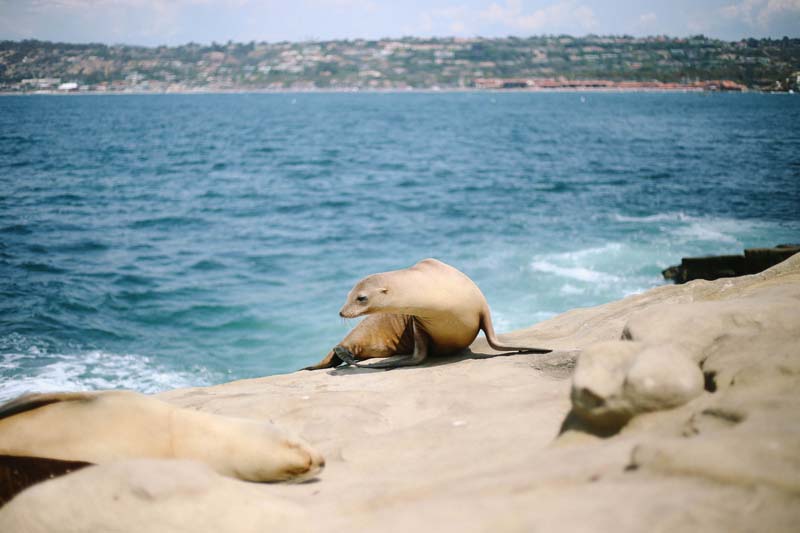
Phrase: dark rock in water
pixel 753 260
pixel 760 259
pixel 18 473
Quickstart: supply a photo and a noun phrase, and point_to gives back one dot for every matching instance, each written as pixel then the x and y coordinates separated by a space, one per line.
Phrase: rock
pixel 617 380
pixel 407 448
pixel 148 495
pixel 741 436
pixel 662 377
pixel 659 367
pixel 753 261
pixel 760 259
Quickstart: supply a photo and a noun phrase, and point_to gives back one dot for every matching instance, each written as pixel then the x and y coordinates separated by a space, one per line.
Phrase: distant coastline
pixel 408 64
pixel 615 88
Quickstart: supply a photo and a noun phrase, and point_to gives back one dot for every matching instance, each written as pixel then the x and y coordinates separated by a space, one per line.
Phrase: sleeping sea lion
pixel 432 306
pixel 100 427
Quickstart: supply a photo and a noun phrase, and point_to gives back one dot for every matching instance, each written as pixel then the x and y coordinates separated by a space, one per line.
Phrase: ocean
pixel 159 241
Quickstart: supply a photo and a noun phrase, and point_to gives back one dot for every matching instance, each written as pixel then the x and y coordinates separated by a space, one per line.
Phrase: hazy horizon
pixel 153 23
pixel 386 38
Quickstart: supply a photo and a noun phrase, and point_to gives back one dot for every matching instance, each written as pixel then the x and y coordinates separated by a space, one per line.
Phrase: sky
pixel 172 22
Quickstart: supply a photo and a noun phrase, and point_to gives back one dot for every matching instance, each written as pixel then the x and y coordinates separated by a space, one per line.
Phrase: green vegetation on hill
pixel 397 63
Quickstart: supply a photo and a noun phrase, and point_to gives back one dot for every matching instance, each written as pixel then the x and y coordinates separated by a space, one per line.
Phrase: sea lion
pixel 100 427
pixel 432 304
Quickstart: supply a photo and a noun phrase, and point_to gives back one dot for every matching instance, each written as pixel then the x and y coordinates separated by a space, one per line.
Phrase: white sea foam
pixel 687 228
pixel 678 216
pixel 569 288
pixel 92 370
pixel 602 251
pixel 574 272
pixel 711 230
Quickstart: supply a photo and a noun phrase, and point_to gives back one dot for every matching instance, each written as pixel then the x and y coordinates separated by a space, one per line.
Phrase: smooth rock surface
pixel 481 443
pixel 616 380
pixel 148 496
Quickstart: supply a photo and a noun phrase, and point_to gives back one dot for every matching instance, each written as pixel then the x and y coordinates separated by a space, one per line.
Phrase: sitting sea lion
pixel 100 427
pixel 430 308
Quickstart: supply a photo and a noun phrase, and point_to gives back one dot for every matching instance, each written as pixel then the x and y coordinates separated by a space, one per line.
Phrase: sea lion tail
pixel 494 342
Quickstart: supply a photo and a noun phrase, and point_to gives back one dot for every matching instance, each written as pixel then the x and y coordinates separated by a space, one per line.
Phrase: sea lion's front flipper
pixel 421 349
pixel 345 355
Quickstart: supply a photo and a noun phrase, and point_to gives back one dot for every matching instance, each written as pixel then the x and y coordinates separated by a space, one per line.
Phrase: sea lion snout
pixel 349 310
pixel 303 461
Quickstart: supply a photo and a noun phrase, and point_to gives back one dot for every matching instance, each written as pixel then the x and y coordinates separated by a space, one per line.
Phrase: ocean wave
pixel 569 288
pixel 689 228
pixel 574 272
pixel 719 231
pixel 167 222
pixel 17 229
pixel 91 370
pixel 677 216
pixel 603 250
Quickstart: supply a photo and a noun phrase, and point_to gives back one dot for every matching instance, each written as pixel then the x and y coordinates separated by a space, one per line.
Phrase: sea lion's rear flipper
pixel 494 342
pixel 18 473
pixel 29 402
pixel 329 361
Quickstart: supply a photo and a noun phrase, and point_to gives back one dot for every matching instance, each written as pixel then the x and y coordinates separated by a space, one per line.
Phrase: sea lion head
pixel 262 452
pixel 368 296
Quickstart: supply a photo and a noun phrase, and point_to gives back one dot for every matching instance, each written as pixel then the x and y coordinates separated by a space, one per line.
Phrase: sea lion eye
pixel 361 299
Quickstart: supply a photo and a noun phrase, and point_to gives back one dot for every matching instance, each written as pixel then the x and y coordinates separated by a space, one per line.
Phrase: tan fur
pixel 447 310
pixel 379 335
pixel 100 427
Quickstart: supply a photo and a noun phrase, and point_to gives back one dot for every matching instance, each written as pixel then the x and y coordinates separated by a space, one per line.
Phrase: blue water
pixel 159 241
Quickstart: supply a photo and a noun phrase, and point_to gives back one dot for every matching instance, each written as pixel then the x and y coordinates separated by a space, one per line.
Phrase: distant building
pixel 41 83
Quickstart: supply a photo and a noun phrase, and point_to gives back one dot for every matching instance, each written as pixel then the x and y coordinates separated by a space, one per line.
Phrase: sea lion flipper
pixel 392 361
pixel 421 350
pixel 329 361
pixel 494 342
pixel 345 355
pixel 29 402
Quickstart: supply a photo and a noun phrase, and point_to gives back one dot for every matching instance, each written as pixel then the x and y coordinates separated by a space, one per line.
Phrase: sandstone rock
pixel 407 448
pixel 662 377
pixel 659 367
pixel 742 438
pixel 617 380
pixel 147 495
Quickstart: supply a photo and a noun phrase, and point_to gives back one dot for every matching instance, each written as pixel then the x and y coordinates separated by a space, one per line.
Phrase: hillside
pixel 764 64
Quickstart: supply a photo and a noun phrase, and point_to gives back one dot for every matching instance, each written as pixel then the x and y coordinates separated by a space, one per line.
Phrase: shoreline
pixel 388 91
pixel 407 447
